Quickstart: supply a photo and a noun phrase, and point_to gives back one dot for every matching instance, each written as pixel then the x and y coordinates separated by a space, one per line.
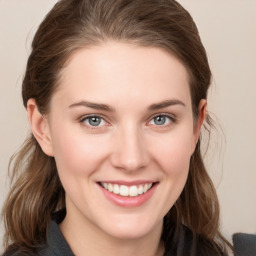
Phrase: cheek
pixel 173 152
pixel 77 154
pixel 172 155
pixel 175 164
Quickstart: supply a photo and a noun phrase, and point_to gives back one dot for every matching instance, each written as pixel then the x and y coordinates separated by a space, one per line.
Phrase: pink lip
pixel 126 201
pixel 129 183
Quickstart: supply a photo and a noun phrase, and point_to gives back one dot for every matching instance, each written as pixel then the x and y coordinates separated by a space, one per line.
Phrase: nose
pixel 130 152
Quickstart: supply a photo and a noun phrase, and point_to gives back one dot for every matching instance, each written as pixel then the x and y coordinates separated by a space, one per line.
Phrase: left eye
pixel 95 121
pixel 160 120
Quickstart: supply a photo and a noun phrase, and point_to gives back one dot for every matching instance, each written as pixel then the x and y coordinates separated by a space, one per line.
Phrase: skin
pixel 128 144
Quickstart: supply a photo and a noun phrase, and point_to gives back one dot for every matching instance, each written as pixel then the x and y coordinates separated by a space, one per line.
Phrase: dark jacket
pixel 56 244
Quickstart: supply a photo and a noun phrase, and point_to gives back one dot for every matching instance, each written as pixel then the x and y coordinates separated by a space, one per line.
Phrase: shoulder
pixel 201 245
pixel 244 244
pixel 187 243
pixel 20 251
pixel 42 250
pixel 54 245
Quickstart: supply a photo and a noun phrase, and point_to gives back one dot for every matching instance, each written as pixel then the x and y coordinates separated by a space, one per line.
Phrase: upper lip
pixel 128 183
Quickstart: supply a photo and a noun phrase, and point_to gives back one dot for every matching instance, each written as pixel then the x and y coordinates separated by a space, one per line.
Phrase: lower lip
pixel 127 201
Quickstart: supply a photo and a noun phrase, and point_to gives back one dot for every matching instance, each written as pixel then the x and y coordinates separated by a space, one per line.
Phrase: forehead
pixel 123 70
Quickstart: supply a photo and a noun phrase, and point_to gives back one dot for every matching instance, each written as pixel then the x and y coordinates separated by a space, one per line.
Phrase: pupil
pixel 94 121
pixel 160 120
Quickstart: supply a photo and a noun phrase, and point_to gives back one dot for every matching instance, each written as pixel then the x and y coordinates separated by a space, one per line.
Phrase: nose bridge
pixel 131 152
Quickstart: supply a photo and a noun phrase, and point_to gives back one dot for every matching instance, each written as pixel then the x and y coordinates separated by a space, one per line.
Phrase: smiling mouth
pixel 127 191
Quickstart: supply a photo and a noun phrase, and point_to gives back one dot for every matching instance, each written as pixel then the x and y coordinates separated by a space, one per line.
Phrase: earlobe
pixel 40 127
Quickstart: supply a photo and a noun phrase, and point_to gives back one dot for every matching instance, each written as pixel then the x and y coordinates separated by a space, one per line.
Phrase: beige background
pixel 228 30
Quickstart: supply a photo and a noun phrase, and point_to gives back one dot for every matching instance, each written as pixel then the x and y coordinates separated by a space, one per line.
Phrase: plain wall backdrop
pixel 228 31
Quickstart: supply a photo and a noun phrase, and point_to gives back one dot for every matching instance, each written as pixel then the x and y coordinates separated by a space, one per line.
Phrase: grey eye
pixel 94 121
pixel 160 120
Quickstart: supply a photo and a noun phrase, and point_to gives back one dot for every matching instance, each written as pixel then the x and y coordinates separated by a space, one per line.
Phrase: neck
pixel 86 239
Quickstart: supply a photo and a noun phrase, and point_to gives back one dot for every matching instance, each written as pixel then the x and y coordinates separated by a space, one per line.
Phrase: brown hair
pixel 70 25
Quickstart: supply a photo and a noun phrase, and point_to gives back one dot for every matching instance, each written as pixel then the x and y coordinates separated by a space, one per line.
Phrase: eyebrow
pixel 92 105
pixel 105 107
pixel 165 104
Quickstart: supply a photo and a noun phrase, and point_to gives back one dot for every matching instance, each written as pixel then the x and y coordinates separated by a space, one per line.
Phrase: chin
pixel 127 229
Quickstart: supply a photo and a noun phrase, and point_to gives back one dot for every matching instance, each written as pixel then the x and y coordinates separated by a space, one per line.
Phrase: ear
pixel 40 127
pixel 201 117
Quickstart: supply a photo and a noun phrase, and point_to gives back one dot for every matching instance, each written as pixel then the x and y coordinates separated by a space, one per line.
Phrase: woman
pixel 116 95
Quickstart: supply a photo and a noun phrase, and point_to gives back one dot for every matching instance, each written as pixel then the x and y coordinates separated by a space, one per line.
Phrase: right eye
pixel 93 121
pixel 160 120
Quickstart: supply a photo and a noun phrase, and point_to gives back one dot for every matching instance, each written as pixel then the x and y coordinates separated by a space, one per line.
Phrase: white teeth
pixel 124 190
pixel 145 188
pixel 116 189
pixel 140 190
pixel 133 191
pixel 110 187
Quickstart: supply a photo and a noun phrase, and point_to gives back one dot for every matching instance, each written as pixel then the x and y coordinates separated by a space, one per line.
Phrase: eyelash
pixel 172 120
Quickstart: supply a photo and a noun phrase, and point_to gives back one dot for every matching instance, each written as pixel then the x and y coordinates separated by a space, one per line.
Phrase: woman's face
pixel 122 133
